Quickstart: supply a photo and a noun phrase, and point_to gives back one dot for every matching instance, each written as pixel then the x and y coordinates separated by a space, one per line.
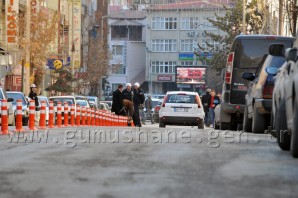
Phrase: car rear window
pixel 70 101
pixel 249 52
pixel 177 98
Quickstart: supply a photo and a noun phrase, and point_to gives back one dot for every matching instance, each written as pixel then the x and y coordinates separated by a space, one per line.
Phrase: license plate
pixel 180 109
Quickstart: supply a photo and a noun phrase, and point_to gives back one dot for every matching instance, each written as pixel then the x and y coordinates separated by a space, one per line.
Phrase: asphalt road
pixel 184 163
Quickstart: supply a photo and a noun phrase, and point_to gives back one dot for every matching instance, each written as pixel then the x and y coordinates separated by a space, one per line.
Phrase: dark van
pixel 245 55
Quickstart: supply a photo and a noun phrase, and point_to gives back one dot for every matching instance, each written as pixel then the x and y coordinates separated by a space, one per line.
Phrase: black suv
pixel 245 55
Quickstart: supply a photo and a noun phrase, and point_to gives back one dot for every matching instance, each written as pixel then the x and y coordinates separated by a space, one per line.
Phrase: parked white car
pixel 284 118
pixel 181 108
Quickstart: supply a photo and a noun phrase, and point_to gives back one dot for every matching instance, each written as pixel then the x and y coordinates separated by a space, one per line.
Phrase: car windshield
pixel 91 100
pixel 177 98
pixel 82 103
pixel 70 101
pixel 17 96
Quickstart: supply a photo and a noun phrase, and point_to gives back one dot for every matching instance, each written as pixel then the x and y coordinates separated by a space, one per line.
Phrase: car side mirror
pixel 10 99
pixel 248 76
pixel 291 54
pixel 272 70
pixel 277 50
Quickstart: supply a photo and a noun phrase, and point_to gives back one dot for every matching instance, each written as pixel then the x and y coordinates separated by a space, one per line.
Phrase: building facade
pixel 173 33
pixel 126 41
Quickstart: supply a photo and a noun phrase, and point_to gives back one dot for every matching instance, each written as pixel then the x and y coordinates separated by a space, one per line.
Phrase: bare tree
pixel 43 33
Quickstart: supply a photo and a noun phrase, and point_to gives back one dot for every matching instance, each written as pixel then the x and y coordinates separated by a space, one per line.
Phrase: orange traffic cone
pixel 65 122
pixel 59 114
pixel 72 115
pixel 32 116
pixel 92 117
pixel 4 118
pixel 19 117
pixel 51 115
pixel 78 116
pixel 42 120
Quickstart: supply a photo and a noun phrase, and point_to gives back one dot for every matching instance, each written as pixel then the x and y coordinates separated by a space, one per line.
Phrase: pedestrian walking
pixel 117 104
pixel 138 99
pixel 213 102
pixel 205 100
pixel 148 106
pixel 33 96
pixel 142 114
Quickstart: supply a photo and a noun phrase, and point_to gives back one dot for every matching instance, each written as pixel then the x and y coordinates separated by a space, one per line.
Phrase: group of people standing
pixel 131 99
pixel 210 100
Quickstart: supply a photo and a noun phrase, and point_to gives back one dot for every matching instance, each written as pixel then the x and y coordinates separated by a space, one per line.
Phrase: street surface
pixel 70 162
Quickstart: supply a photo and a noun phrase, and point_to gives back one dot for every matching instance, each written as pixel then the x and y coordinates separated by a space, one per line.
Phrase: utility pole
pixel 73 46
pixel 26 76
pixel 243 17
pixel 280 17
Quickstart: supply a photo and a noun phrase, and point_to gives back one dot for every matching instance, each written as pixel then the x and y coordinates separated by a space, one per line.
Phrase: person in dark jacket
pixel 117 104
pixel 138 99
pixel 206 103
pixel 148 106
pixel 33 96
pixel 127 93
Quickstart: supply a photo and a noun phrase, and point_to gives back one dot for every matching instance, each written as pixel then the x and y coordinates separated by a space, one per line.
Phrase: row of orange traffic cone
pixel 83 117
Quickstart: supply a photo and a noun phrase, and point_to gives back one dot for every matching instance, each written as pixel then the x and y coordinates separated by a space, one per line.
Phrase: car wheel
pixel 162 125
pixel 225 126
pixel 294 138
pixel 283 139
pixel 247 122
pixel 25 121
pixel 201 125
pixel 216 126
pixel 258 121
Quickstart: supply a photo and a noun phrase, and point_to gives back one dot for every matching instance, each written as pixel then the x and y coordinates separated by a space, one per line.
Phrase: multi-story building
pixel 173 33
pixel 126 40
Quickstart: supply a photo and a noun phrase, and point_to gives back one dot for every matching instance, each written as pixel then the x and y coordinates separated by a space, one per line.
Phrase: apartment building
pixel 127 44
pixel 173 33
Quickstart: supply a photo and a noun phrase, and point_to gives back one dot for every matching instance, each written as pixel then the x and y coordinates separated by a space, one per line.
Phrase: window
pixel 188 63
pixel 160 45
pixel 118 69
pixel 160 67
pixel 117 50
pixel 175 98
pixel 186 45
pixel 160 23
pixel 115 86
pixel 190 23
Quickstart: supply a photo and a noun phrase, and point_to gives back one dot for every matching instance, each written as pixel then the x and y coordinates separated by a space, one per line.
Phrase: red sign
pixel 17 81
pixel 164 78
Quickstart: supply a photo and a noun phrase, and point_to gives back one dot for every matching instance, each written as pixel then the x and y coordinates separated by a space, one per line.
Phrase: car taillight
pixel 164 101
pixel 229 68
pixel 157 108
pixel 268 91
